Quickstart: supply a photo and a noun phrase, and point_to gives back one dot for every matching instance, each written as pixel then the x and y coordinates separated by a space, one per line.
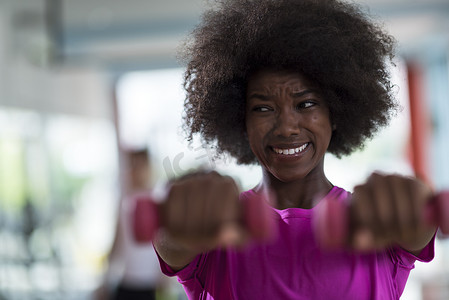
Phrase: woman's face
pixel 287 123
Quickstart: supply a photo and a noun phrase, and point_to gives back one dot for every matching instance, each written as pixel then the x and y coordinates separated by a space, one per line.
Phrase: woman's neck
pixel 301 193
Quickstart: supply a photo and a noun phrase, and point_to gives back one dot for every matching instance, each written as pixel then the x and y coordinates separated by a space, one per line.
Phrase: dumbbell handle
pixel 331 219
pixel 146 218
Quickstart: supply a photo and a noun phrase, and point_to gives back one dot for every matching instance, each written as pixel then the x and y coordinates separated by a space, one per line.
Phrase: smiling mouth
pixel 290 151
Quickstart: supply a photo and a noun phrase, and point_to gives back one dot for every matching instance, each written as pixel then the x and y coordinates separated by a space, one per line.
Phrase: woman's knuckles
pixel 208 202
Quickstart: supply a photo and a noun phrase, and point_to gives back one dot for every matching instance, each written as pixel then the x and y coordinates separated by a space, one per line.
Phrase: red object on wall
pixel 420 123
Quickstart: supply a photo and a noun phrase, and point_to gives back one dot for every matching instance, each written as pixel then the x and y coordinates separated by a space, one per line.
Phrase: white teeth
pixel 291 150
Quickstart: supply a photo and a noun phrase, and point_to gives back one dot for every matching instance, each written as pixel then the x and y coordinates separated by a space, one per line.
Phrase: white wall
pixel 29 80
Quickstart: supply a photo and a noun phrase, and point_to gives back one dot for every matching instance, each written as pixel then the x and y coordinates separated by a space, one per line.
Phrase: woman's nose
pixel 287 124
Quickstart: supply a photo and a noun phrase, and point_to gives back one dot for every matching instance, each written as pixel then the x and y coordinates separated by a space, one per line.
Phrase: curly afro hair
pixel 332 43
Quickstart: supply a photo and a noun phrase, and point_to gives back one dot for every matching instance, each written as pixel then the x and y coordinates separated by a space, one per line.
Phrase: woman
pixel 279 83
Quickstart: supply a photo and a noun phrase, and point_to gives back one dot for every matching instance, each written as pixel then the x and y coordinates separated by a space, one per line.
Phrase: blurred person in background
pixel 133 271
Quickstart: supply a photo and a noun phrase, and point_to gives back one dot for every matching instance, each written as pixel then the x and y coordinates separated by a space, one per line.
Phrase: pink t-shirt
pixel 292 266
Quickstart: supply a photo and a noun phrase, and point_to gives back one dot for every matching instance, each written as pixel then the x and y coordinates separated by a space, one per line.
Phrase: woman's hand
pixel 202 211
pixel 388 209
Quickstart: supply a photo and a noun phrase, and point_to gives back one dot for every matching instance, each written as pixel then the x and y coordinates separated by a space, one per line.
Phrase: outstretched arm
pixel 201 212
pixel 389 209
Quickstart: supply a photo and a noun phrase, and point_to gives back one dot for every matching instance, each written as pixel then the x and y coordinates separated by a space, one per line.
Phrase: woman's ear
pixel 334 126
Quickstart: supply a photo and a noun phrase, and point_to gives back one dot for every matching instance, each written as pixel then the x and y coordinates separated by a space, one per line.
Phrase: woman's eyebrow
pixel 304 92
pixel 259 96
pixel 265 97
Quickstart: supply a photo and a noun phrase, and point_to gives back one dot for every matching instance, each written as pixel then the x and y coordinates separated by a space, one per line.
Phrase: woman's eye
pixel 261 109
pixel 306 104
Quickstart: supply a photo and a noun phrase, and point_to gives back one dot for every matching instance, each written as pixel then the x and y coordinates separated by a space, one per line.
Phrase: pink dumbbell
pixel 146 218
pixel 331 219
